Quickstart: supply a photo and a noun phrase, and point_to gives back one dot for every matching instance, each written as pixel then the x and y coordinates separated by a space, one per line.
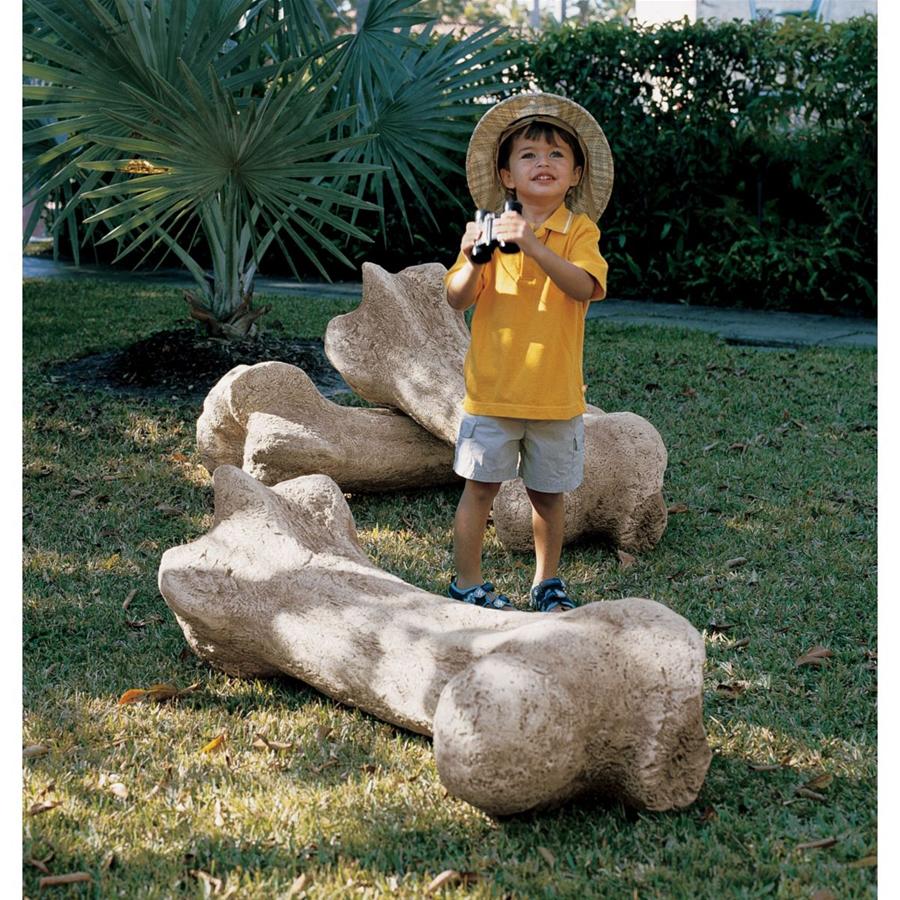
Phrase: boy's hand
pixel 472 233
pixel 513 226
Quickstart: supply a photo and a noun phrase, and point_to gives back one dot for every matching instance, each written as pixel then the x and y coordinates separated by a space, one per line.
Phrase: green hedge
pixel 745 157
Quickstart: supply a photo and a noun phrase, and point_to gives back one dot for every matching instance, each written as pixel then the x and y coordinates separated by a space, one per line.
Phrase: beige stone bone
pixel 271 420
pixel 526 710
pixel 404 347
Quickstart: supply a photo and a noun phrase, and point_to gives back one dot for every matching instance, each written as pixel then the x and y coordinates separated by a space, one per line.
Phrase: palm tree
pixel 243 121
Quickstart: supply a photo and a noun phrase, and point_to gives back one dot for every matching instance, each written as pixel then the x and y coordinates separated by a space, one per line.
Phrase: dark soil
pixel 182 364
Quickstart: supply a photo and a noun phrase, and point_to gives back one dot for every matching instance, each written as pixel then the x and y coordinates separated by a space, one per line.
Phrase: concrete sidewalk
pixel 757 328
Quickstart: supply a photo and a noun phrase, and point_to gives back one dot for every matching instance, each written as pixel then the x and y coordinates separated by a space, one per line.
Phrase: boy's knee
pixel 483 490
pixel 542 501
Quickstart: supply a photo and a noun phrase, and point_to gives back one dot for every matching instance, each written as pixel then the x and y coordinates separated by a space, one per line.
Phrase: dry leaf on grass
pixel 143 623
pixel 736 563
pixel 70 878
pixel 119 790
pixel 820 782
pixel 214 744
pixel 810 795
pixel 451 876
pixel 298 886
pixel 739 645
pixel 731 690
pixel 626 560
pixel 40 864
pixel 678 508
pixel 824 894
pixel 765 767
pixel 708 815
pixel 42 807
pixel 168 510
pixel 264 743
pixel 549 858
pixel 33 751
pixel 156 692
pixel 127 601
pixel 820 844
pixel 864 863
pixel 815 656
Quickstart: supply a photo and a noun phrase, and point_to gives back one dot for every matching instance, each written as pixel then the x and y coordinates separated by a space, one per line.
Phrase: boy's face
pixel 540 171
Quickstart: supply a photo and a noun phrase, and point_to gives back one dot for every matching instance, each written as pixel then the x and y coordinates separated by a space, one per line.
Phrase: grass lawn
pixel 771 453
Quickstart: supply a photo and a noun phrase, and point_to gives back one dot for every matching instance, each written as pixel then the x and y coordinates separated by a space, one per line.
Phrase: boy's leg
pixel 548 522
pixel 468 530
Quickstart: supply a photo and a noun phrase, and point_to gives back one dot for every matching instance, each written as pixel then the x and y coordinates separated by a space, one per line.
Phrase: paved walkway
pixel 736 326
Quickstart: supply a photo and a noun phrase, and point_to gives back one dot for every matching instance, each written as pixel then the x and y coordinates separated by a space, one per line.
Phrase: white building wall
pixel 655 11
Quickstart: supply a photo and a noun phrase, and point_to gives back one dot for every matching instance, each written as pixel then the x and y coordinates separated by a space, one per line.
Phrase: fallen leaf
pixel 40 864
pixel 731 690
pixel 738 645
pixel 322 732
pixel 820 782
pixel 77 492
pixel 815 656
pixel 765 767
pixel 178 457
pixel 168 510
pixel 709 447
pixel 678 508
pixel 298 886
pixel 818 845
pixel 42 807
pixel 214 884
pixel 143 623
pixel 736 563
pixel 33 751
pixel 70 878
pixel 865 862
pixel 119 790
pixel 810 795
pixel 689 392
pixel 719 627
pixel 214 744
pixel 737 445
pixel 448 876
pixel 824 894
pixel 708 815
pixel 127 601
pixel 549 858
pixel 626 560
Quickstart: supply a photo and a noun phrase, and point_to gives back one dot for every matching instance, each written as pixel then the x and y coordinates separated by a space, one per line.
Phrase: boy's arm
pixel 463 284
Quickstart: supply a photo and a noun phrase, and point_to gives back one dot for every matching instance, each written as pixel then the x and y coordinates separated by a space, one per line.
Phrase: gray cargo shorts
pixel 548 454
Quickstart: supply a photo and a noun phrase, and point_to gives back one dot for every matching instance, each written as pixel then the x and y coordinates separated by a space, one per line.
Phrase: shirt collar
pixel 560 220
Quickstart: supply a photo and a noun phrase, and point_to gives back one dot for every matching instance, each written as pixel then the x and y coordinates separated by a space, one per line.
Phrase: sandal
pixel 551 596
pixel 480 595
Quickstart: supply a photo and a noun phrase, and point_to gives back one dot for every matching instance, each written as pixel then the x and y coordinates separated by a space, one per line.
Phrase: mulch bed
pixel 183 364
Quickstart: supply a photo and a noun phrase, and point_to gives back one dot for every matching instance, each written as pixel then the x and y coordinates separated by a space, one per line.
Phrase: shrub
pixel 745 157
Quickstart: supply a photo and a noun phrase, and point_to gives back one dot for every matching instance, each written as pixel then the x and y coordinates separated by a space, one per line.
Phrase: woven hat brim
pixel 589 196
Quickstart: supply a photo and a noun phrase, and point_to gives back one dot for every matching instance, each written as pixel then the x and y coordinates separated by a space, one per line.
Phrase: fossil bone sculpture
pixel 526 710
pixel 404 347
pixel 271 420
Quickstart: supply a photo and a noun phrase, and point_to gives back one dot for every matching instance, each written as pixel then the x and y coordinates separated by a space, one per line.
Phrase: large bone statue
pixel 271 420
pixel 404 347
pixel 527 710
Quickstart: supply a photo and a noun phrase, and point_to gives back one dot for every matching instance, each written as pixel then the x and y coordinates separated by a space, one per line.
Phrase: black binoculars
pixel 487 243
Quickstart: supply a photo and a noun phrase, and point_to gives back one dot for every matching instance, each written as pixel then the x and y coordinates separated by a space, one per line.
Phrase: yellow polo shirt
pixel 525 360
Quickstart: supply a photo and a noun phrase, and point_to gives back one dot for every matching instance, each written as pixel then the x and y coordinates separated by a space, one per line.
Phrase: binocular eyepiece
pixel 487 243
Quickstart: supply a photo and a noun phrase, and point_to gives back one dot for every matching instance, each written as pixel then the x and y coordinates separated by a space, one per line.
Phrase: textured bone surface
pixel 271 420
pixel 526 710
pixel 404 347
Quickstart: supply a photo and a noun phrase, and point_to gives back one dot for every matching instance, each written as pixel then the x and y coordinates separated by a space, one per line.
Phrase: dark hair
pixel 545 130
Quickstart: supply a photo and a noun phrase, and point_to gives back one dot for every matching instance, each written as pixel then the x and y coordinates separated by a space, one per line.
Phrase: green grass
pixel 773 453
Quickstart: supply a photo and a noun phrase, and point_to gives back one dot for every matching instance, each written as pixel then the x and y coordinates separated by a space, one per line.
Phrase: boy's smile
pixel 540 172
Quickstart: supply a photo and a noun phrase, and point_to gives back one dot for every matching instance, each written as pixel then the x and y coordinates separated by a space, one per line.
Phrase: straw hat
pixel 589 196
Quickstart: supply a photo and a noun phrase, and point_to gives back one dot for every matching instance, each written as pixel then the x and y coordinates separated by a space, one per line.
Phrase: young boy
pixel 524 394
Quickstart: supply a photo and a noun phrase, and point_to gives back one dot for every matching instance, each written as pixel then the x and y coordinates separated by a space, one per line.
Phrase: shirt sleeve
pixel 585 253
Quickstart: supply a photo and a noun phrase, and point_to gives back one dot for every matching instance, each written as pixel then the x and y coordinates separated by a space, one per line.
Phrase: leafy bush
pixel 745 157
